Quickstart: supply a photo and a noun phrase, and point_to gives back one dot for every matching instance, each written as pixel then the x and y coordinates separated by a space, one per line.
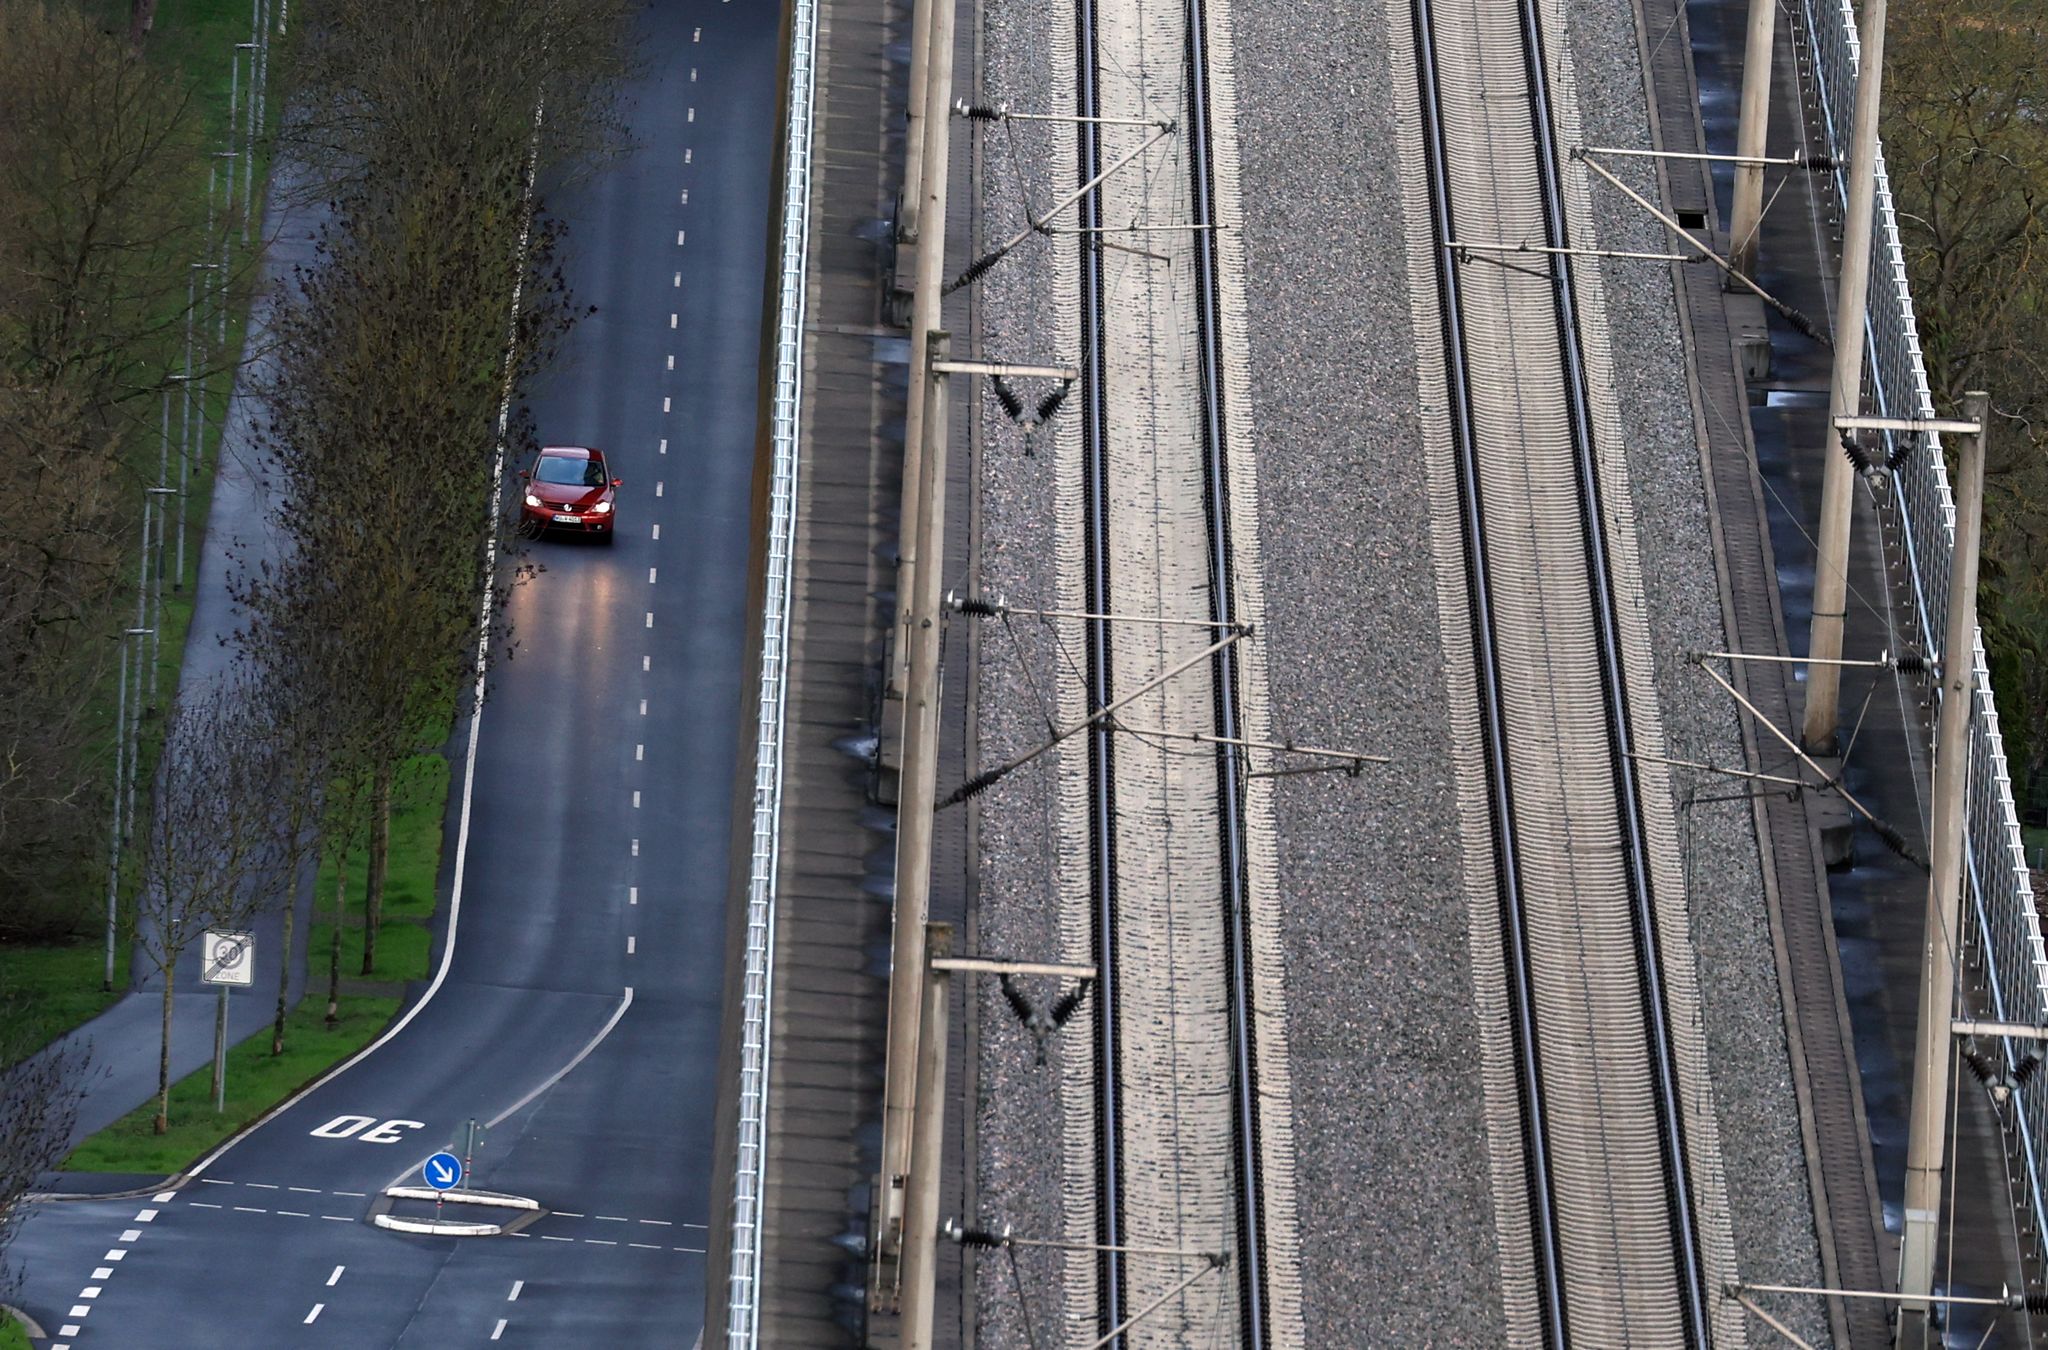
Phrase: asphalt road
pixel 588 931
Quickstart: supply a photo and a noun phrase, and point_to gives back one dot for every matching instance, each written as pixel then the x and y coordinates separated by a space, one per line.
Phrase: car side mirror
pixel 618 482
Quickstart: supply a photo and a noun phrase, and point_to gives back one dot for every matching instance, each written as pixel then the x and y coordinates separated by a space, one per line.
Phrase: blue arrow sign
pixel 443 1171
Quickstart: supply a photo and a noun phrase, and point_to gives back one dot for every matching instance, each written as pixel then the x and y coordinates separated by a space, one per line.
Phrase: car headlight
pixel 532 500
pixel 602 507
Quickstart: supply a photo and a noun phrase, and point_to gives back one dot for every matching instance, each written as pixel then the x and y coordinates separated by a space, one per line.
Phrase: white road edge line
pixel 476 708
pixel 625 1002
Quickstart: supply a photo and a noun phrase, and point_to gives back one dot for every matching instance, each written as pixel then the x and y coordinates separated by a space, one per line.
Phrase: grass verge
pixel 50 990
pixel 403 952
pixel 12 1337
pixel 257 1081
pixel 419 801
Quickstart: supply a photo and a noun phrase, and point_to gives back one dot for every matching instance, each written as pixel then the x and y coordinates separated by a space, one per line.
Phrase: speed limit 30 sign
pixel 227 958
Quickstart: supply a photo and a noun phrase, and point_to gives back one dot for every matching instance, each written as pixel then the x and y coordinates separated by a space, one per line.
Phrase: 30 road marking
pixel 313 1314
pixel 335 1278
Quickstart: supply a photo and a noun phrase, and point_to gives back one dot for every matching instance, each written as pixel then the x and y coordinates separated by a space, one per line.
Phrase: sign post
pixel 225 959
pixel 443 1172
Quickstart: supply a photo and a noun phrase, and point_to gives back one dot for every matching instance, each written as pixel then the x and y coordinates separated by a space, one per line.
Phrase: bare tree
pixel 40 1090
pixel 211 857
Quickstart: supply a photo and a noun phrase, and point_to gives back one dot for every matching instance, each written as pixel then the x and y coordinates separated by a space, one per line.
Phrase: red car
pixel 570 488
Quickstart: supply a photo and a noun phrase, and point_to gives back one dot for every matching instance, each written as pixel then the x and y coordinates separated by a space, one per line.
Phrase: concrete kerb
pixel 29 1325
pixel 381 1216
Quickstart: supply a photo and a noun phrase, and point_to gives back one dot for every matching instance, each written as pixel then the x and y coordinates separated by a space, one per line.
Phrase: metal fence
pixel 2010 969
pixel 743 1279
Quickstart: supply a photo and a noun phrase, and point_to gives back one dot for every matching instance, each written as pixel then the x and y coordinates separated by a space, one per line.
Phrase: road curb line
pixel 436 1227
pixel 494 1199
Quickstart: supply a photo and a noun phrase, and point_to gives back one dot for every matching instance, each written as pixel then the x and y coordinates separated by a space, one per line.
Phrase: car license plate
pixel 566 517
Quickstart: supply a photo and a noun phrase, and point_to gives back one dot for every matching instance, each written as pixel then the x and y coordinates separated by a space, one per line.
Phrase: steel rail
pixel 1109 1222
pixel 1550 1274
pixel 1230 780
pixel 1543 1224
pixel 1650 964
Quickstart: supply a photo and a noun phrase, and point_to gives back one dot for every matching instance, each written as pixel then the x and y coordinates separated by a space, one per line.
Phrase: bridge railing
pixel 743 1277
pixel 2008 966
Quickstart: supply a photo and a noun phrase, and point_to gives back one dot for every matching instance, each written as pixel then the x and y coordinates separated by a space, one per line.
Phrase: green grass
pixel 403 952
pixel 257 1081
pixel 53 989
pixel 419 801
pixel 12 1337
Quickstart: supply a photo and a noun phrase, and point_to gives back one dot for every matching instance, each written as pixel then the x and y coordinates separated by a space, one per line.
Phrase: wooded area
pixel 1967 147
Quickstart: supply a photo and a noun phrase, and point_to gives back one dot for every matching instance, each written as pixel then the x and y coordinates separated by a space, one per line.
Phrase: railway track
pixel 1608 1198
pixel 1210 955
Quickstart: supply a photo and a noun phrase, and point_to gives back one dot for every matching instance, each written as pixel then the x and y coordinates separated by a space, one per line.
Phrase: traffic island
pixel 517 1212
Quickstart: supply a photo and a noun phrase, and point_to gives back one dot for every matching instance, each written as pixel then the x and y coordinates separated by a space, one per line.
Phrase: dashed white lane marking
pixel 165 1197
pixel 657 529
pixel 90 1291
pixel 672 323
pixel 639 752
pixel 657 487
pixel 686 198
pixel 696 35
pixel 145 1216
pixel 629 944
pixel 260 1186
pixel 114 1254
pixel 313 1314
pixel 600 1242
pixel 686 156
pixel 249 1209
pixel 693 74
pixel 646 1246
pixel 611 1218
pixel 69 1330
pixel 692 117
pixel 650 618
pixel 335 1278
pixel 79 1310
pixel 664 404
pixel 337 1218
pixel 517 1285
pixel 650 576
pixel 294 1214
pixel 664 445
pixel 636 801
pixel 679 279
pixel 643 707
pixel 646 663
pixel 360 1195
pixel 550 1237
pixel 303 1190
pixel 680 236
pixel 632 895
pixel 130 1235
pixel 103 1273
pixel 671 360
pixel 498 1330
pixel 216 1181
pixel 201 1204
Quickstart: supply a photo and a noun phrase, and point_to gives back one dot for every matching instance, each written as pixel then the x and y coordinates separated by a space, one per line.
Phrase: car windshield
pixel 570 472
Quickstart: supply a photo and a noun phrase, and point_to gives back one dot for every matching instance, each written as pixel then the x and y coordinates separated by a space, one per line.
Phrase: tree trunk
pixel 380 864
pixel 163 1057
pixel 141 18
pixel 284 969
pixel 334 953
